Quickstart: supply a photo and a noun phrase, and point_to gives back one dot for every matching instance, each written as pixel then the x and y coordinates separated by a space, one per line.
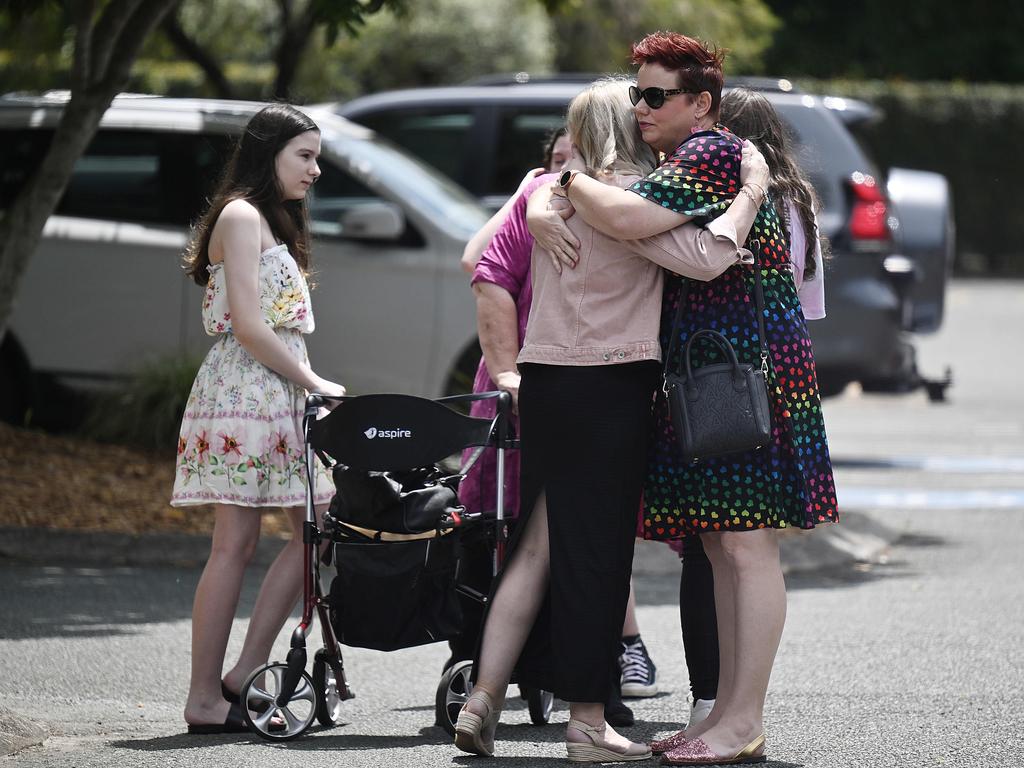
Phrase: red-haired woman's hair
pixel 698 64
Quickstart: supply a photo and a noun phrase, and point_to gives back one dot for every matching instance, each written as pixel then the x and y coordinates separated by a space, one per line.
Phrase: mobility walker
pixel 394 532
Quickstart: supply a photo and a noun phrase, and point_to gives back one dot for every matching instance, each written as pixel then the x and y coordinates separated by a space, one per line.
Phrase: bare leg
pixel 236 532
pixel 515 606
pixel 725 612
pixel 759 610
pixel 630 626
pixel 278 595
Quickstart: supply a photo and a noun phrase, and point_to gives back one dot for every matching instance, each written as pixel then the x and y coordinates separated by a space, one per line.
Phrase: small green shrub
pixel 145 412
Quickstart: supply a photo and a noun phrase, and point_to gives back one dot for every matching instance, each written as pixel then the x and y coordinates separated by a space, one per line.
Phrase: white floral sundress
pixel 241 435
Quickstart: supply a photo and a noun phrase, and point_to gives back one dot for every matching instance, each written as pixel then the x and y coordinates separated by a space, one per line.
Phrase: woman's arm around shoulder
pixel 617 212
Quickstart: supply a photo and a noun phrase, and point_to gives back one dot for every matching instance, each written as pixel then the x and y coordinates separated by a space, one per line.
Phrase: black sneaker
pixel 618 715
pixel 639 675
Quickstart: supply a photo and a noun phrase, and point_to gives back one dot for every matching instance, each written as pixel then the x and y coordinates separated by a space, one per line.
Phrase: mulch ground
pixel 53 481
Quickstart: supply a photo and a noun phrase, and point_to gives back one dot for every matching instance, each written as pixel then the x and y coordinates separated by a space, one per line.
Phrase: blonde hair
pixel 603 129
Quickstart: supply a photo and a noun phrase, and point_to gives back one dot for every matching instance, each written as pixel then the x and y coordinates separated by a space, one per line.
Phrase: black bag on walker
pixel 412 501
pixel 395 594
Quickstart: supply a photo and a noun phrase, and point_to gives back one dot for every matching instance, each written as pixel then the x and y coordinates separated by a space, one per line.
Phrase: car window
pixel 368 162
pixel 143 176
pixel 117 177
pixel 20 154
pixel 522 134
pixel 437 136
pixel 335 192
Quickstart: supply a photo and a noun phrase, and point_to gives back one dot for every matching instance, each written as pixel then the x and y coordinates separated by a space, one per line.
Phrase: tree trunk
pixel 295 35
pixel 22 225
pixel 104 53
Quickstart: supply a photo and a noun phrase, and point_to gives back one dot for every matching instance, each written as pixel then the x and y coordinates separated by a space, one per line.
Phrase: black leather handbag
pixel 410 501
pixel 720 408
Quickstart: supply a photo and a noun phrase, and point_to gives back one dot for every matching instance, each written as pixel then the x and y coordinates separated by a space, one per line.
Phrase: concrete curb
pixel 17 733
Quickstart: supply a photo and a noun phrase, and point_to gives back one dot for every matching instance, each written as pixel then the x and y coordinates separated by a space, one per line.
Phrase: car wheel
pixel 830 385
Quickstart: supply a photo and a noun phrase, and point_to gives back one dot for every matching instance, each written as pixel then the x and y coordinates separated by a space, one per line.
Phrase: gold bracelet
pixel 748 193
pixel 764 193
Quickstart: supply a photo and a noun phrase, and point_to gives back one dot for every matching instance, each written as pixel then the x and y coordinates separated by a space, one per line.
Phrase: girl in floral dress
pixel 240 446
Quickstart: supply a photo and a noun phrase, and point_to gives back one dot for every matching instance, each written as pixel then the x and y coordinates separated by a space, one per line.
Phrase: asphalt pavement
pixel 902 646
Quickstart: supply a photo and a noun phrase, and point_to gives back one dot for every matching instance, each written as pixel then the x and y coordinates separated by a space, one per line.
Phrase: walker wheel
pixel 328 700
pixel 277 722
pixel 452 692
pixel 540 703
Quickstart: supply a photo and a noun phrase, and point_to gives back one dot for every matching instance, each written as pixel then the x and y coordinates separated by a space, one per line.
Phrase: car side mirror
pixel 373 221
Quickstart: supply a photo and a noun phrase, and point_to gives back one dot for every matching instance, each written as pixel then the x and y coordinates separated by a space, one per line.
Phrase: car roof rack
pixel 756 83
pixel 522 78
pixel 771 84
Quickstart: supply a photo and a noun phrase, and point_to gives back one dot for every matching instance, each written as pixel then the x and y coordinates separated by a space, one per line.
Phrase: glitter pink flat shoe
pixel 696 752
pixel 661 746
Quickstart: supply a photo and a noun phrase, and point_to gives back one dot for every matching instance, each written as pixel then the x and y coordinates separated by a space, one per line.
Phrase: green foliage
pixel 964 132
pixel 35 49
pixel 146 411
pixel 596 35
pixel 185 79
pixel 934 40
pixel 434 42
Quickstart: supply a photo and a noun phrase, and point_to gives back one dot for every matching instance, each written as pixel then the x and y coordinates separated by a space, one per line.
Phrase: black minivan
pixel 891 240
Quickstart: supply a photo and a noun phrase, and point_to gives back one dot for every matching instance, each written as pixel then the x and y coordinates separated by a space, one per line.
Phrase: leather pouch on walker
pixel 413 501
pixel 396 594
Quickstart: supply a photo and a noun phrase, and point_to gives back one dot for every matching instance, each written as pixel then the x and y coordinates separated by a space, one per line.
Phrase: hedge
pixel 967 132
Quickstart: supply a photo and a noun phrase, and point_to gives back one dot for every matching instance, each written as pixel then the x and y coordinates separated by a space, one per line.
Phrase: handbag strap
pixel 762 341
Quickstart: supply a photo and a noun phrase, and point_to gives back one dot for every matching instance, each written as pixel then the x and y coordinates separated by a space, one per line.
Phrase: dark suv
pixel 891 241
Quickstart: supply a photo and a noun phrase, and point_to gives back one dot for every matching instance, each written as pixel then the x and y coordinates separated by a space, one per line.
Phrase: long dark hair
pixel 749 115
pixel 549 145
pixel 251 175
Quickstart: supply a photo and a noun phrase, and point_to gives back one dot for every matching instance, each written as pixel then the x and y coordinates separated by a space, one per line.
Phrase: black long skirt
pixel 584 432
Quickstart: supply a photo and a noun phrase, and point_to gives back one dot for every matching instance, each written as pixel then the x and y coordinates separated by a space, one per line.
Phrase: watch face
pixel 564 178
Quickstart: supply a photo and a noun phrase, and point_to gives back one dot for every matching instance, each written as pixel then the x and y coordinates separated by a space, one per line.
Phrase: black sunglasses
pixel 653 95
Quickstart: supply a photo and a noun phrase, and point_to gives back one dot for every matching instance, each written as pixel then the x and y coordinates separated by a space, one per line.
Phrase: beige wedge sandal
pixel 597 751
pixel 473 733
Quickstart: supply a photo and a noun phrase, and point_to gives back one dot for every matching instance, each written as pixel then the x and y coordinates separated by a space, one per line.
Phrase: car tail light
pixel 869 216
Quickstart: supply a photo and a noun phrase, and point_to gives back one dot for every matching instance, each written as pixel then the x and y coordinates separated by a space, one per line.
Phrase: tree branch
pixel 147 16
pixel 82 18
pixel 191 49
pixel 108 31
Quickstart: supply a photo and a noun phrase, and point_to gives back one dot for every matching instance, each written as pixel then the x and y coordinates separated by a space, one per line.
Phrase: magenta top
pixel 506 263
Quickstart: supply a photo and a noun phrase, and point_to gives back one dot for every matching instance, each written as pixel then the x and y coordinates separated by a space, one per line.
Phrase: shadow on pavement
pixel 81 601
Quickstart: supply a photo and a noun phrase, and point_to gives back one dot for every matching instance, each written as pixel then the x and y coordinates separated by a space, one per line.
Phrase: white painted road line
pixel 914 498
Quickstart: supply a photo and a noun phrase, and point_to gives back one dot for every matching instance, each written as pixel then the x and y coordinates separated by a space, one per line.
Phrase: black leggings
pixel 698 619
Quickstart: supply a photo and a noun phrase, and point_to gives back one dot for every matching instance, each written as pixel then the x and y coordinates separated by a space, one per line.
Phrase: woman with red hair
pixel 735 502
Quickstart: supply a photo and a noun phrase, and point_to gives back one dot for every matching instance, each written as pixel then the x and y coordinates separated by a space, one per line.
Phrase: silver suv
pixel 105 288
pixel 892 240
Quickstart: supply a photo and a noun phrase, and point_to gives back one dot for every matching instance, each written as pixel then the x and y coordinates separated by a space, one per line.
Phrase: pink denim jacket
pixel 608 308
